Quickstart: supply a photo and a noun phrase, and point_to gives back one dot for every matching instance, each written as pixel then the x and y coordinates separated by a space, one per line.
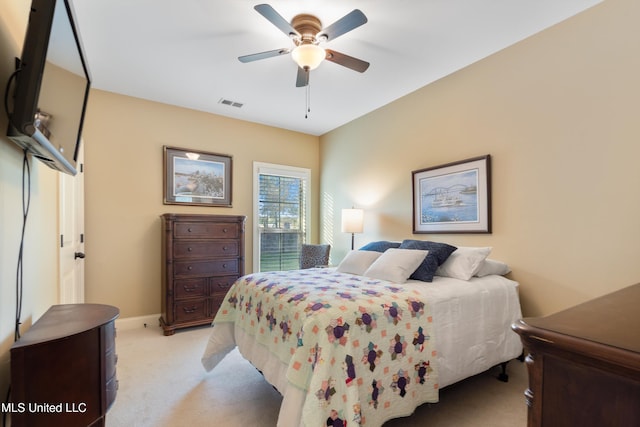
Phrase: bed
pixel 351 348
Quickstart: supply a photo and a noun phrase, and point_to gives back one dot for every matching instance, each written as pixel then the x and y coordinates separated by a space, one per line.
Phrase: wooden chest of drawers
pixel 202 256
pixel 584 363
pixel 63 369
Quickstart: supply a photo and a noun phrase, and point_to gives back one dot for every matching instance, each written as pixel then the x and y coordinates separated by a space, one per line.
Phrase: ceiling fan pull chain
pixel 308 98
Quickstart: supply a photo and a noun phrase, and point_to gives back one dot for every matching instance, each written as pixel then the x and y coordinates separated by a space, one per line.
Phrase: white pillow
pixel 357 262
pixel 464 262
pixel 491 266
pixel 396 265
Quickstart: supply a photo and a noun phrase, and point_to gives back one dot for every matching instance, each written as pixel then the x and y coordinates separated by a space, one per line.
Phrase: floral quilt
pixel 361 348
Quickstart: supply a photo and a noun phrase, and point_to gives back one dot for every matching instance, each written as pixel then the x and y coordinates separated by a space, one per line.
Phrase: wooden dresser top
pixel 612 320
pixel 63 320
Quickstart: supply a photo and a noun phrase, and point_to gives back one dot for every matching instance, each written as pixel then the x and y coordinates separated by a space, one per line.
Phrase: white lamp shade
pixel 352 220
pixel 308 55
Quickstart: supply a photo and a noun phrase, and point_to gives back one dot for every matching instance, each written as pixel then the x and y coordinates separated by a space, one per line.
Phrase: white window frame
pixel 260 168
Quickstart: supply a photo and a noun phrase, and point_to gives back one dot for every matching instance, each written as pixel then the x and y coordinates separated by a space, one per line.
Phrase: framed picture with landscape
pixel 453 198
pixel 196 178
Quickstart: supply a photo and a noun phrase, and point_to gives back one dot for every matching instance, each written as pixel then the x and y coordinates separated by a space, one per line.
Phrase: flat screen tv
pixel 51 88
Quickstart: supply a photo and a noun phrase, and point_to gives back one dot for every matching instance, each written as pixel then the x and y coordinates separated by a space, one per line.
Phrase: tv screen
pixel 52 87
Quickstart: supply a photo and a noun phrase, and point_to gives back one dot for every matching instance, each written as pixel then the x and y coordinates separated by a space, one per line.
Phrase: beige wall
pixel 40 260
pixel 124 175
pixel 559 115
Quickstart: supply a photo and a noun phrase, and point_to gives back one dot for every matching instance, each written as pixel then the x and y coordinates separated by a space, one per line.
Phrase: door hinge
pixel 81 237
pixel 62 240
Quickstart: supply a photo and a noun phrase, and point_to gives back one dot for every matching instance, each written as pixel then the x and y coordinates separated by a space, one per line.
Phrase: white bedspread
pixel 471 320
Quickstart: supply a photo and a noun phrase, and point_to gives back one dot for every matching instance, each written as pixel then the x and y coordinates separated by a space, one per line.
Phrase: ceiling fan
pixel 307 34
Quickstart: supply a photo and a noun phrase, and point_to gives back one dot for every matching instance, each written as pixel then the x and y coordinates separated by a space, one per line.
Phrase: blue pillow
pixel 380 246
pixel 438 253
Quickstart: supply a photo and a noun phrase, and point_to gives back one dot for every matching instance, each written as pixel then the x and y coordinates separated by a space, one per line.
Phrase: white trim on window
pixel 260 168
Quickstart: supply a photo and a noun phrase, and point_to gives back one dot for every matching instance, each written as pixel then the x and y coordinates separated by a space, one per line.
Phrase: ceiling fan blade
pixel 263 55
pixel 351 20
pixel 276 19
pixel 347 61
pixel 302 79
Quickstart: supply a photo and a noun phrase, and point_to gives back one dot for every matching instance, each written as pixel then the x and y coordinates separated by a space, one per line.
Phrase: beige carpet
pixel 162 384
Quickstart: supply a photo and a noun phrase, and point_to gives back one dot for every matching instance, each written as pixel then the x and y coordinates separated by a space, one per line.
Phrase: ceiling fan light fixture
pixel 308 56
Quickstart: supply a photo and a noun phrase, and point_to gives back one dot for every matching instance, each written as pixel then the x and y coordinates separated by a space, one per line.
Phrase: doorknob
pixel 78 255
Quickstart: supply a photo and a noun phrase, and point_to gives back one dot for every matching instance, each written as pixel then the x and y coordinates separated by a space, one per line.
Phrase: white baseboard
pixel 138 322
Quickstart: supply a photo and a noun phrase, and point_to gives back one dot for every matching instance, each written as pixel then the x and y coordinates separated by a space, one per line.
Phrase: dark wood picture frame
pixel 199 178
pixel 453 198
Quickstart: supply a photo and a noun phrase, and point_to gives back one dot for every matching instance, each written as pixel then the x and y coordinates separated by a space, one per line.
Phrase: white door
pixel 71 220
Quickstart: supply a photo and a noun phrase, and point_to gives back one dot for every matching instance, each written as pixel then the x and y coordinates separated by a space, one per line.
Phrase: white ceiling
pixel 184 52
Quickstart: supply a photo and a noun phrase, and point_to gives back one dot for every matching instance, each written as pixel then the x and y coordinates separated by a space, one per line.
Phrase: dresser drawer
pixel 204 249
pixel 109 332
pixel 110 362
pixel 111 390
pixel 220 285
pixel 206 230
pixel 205 268
pixel 216 301
pixel 191 310
pixel 190 288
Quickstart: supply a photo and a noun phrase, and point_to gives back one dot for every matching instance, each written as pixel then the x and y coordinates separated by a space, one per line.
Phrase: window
pixel 281 215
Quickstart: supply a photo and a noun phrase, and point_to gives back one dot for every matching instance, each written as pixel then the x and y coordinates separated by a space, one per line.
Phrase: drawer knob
pixel 224 230
pixel 189 229
pixel 224 265
pixel 224 248
pixel 190 268
pixel 189 249
pixel 189 310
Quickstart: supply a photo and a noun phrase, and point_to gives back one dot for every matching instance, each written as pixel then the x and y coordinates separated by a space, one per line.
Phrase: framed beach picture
pixel 196 178
pixel 453 198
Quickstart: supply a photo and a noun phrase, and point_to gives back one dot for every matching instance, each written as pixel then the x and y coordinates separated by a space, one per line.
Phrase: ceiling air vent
pixel 230 103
